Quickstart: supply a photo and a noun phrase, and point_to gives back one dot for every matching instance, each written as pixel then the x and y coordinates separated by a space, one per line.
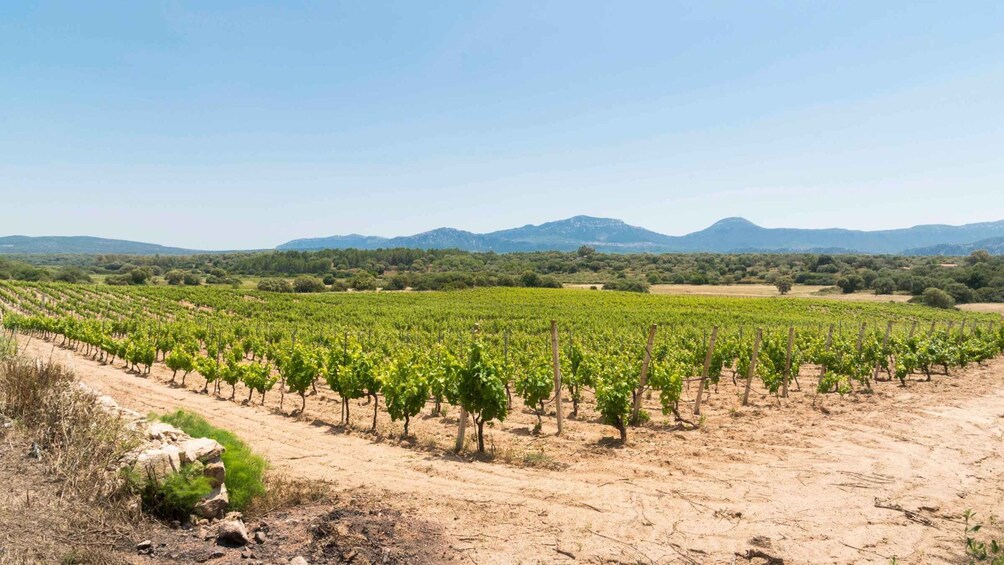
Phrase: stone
pixel 163 431
pixel 144 545
pixel 214 505
pixel 298 560
pixel 200 449
pixel 215 472
pixel 158 462
pixel 232 533
pixel 260 537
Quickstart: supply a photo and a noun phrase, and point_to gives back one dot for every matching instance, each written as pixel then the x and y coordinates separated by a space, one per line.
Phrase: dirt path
pixel 803 484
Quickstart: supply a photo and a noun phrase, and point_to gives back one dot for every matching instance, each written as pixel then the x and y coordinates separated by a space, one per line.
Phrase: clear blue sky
pixel 245 124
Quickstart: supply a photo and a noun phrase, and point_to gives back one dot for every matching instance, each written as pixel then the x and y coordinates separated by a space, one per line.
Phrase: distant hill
pixel 994 246
pixel 83 245
pixel 729 235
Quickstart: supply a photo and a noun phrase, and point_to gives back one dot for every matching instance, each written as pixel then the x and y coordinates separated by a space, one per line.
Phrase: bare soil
pixel 862 478
pixel 760 291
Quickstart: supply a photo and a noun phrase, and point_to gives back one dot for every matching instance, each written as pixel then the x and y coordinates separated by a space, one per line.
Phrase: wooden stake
pixel 557 371
pixel 885 343
pixel 861 335
pixel 752 371
pixel 829 343
pixel 704 372
pixel 913 328
pixel 787 362
pixel 462 427
pixel 643 380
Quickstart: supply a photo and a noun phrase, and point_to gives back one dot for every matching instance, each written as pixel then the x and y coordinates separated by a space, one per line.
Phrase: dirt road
pixel 863 480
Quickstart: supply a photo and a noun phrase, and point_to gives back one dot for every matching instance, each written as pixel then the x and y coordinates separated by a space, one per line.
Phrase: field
pixel 814 477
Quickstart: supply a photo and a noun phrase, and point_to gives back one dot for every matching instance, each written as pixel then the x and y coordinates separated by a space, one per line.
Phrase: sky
pixel 227 125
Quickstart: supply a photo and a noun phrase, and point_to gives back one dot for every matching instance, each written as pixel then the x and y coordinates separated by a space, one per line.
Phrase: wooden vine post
pixel 913 328
pixel 885 344
pixel 787 362
pixel 462 427
pixel 752 370
pixel 643 379
pixel 829 343
pixel 557 372
pixel 705 371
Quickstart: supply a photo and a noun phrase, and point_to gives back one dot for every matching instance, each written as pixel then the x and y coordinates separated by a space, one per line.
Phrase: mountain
pixel 84 245
pixel 994 246
pixel 729 235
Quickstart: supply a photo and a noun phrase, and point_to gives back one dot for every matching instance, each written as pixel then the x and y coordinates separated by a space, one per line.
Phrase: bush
pixel 850 283
pixel 244 467
pixel 174 498
pixel 307 283
pixel 364 281
pixel 884 285
pixel 935 298
pixel 275 285
pixel 626 285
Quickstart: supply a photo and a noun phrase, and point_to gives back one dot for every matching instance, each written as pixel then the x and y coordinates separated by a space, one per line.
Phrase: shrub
pixel 307 283
pixel 175 497
pixel 884 285
pixel 244 467
pixel 275 285
pixel 850 283
pixel 936 298
pixel 626 285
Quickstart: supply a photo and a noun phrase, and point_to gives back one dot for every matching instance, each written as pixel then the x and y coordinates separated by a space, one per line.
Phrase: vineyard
pixel 621 359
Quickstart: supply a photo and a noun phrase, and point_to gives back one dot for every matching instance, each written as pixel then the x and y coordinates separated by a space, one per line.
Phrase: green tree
pixel 783 285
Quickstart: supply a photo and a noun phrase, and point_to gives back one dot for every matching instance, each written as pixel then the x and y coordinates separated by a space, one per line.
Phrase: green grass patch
pixel 244 467
pixel 175 497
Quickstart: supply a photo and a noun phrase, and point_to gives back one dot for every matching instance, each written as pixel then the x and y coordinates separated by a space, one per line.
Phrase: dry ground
pixel 759 291
pixel 856 479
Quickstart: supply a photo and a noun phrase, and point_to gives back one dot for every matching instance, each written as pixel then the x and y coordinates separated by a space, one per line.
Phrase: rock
pixel 215 472
pixel 260 537
pixel 144 545
pixel 298 560
pixel 214 505
pixel 234 516
pixel 159 462
pixel 200 449
pixel 232 533
pixel 163 431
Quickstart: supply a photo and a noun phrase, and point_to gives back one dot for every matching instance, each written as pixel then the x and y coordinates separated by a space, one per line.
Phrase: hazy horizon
pixel 235 126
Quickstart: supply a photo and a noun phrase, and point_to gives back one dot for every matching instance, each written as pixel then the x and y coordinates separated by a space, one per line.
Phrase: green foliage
pixel 299 370
pixel 535 385
pixel 244 467
pixel 405 387
pixel 307 283
pixel 990 552
pixel 615 386
pixel 174 497
pixel 275 285
pixel 481 390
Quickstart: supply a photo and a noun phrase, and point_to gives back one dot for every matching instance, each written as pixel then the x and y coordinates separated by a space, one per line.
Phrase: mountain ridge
pixel 728 235
pixel 733 234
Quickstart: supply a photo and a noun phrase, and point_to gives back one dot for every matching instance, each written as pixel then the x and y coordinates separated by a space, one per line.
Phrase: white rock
pixel 158 462
pixel 214 505
pixel 232 532
pixel 200 449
